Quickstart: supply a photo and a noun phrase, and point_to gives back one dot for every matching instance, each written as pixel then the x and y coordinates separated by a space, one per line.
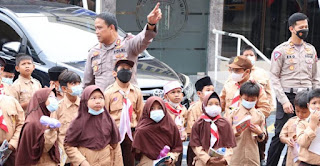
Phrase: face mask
pixel 302 34
pixel 54 104
pixel 60 90
pixel 8 81
pixel 76 90
pixel 213 110
pixel 93 112
pixel 248 105
pixel 124 75
pixel 175 105
pixel 156 115
pixel 207 92
pixel 252 59
pixel 236 77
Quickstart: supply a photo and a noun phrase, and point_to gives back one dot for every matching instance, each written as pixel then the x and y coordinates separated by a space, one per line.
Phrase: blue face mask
pixel 156 115
pixel 248 105
pixel 60 90
pixel 8 81
pixel 76 90
pixel 53 104
pixel 93 112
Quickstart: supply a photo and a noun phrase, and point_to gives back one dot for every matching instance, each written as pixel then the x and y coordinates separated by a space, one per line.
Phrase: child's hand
pixel 237 134
pixel 216 160
pixel 290 141
pixel 255 129
pixel 314 120
pixel 85 163
pixel 169 161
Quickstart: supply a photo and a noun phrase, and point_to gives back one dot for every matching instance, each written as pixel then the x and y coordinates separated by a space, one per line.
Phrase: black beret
pixel 10 67
pixel 205 81
pixel 214 95
pixel 55 71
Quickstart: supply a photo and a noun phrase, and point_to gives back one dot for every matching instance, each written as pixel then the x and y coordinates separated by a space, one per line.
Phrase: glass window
pixel 265 22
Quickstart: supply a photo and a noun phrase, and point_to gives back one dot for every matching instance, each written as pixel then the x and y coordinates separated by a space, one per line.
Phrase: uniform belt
pixel 295 90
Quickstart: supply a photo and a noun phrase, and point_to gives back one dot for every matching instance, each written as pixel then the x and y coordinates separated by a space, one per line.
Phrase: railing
pixel 239 37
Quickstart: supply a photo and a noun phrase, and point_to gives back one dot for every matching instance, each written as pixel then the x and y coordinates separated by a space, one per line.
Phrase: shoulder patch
pixel 108 88
pixel 276 55
pixel 129 36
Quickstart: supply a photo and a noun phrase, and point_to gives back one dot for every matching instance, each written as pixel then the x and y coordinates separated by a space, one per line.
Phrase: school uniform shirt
pixel 4 88
pixel 66 113
pixel 228 93
pixel 114 103
pixel 247 151
pixel 106 156
pixel 263 78
pixel 194 112
pixel 289 131
pixel 180 120
pixel 305 136
pixel 23 89
pixel 50 137
pixel 13 117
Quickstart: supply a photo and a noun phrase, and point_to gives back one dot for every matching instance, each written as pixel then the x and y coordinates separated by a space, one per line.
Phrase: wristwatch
pixel 261 135
pixel 151 24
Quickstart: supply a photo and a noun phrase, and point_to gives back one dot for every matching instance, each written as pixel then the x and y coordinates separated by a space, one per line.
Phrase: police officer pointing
pixel 112 46
pixel 294 68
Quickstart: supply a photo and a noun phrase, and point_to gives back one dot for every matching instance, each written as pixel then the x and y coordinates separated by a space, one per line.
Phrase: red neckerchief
pixel 174 111
pixel 216 134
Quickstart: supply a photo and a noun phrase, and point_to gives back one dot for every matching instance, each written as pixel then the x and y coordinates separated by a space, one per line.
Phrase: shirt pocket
pixel 11 120
pixel 24 96
pixel 309 64
pixel 290 66
pixel 116 106
pixel 96 65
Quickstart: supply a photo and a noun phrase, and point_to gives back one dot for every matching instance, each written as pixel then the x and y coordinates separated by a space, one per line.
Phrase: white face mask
pixel 311 112
pixel 236 77
pixel 207 92
pixel 175 105
pixel 213 110
pixel 156 115
pixel 247 104
pixel 252 59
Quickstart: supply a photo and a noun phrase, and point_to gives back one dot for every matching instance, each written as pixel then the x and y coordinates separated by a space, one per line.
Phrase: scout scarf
pixel 236 99
pixel 178 120
pixel 214 129
pixel 126 115
pixel 3 124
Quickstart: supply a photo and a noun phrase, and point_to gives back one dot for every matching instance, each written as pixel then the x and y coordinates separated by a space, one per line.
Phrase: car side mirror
pixel 11 47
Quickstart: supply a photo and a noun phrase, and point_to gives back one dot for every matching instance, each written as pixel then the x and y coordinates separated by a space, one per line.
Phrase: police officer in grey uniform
pixel 294 68
pixel 111 47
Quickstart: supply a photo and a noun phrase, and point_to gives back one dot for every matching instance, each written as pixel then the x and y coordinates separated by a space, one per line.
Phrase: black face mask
pixel 124 75
pixel 302 34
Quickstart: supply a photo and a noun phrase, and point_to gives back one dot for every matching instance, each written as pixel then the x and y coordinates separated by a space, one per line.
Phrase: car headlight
pixel 188 88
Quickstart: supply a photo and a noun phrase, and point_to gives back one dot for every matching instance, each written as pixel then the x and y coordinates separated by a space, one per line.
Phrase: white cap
pixel 170 86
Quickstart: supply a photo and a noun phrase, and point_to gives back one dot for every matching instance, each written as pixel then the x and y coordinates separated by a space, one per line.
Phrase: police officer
pixel 112 46
pixel 294 68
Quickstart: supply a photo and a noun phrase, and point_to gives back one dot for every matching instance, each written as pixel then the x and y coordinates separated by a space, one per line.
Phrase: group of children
pixel 116 127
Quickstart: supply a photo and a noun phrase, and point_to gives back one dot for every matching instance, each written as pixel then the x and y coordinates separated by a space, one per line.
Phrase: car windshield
pixel 62 36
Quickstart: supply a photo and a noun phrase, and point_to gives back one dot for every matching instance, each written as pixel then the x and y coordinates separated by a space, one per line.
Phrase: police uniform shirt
pixel 293 68
pixel 101 59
